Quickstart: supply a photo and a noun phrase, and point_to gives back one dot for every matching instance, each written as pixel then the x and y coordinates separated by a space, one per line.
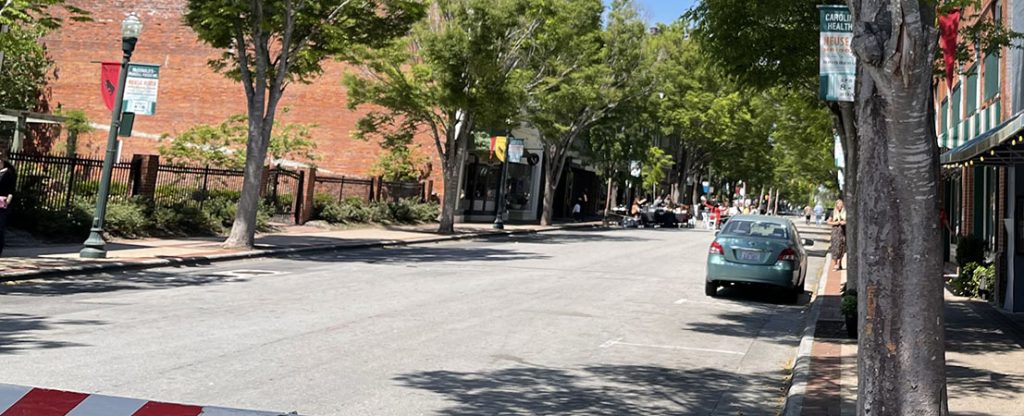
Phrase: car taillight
pixel 716 249
pixel 788 254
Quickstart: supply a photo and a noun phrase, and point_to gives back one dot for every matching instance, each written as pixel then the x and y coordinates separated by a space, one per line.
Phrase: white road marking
pixel 618 341
pixel 106 405
pixel 9 395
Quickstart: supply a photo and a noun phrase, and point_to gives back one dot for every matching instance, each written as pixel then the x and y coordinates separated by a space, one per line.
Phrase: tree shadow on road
pixel 112 282
pixel 421 254
pixel 576 236
pixel 17 332
pixel 602 391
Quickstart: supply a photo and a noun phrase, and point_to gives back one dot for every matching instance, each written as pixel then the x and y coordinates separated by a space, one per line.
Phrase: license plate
pixel 748 255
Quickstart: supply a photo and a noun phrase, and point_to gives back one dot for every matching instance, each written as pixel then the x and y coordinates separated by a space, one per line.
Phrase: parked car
pixel 760 250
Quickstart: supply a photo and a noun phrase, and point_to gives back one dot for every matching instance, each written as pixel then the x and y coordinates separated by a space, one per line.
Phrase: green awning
pixel 998 146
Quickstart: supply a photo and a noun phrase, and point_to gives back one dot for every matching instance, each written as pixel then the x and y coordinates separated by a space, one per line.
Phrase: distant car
pixel 757 249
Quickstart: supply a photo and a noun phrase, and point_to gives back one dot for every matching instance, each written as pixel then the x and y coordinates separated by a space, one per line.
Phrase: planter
pixel 851 326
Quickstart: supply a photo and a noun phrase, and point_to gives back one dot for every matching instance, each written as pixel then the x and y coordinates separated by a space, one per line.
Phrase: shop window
pixel 972 90
pixel 520 184
pixel 991 75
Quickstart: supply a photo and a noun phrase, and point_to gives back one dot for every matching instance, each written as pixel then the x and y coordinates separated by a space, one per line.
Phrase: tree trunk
pixel 901 357
pixel 451 195
pixel 554 162
pixel 243 230
pixel 846 128
pixel 550 186
pixel 608 202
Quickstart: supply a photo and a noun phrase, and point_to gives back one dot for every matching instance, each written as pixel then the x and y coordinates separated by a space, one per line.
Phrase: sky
pixel 662 11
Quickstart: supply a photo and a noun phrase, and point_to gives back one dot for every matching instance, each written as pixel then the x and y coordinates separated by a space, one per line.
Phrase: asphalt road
pixel 580 322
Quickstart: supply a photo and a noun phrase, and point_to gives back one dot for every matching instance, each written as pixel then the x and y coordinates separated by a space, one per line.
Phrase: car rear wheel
pixel 711 289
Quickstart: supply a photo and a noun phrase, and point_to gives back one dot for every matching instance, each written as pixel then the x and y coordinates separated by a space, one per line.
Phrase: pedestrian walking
pixel 8 178
pixel 819 213
pixel 577 210
pixel 808 211
pixel 838 223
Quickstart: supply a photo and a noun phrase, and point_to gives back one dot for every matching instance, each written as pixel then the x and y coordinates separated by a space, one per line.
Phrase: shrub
pixel 127 219
pixel 984 279
pixel 848 307
pixel 964 284
pixel 184 220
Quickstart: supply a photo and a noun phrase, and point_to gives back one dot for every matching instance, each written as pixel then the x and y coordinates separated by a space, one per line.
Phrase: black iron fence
pixel 393 191
pixel 342 188
pixel 194 185
pixel 57 184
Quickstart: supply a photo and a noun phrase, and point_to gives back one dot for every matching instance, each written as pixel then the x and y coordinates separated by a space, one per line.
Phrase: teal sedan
pixel 761 250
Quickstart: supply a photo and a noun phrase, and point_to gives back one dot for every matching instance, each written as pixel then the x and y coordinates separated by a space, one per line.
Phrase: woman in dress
pixel 838 223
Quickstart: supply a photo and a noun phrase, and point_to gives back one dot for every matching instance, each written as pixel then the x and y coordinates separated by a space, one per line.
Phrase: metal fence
pixel 193 185
pixel 393 191
pixel 342 188
pixel 55 183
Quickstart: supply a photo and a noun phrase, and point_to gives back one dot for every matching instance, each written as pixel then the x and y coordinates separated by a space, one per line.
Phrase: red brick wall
pixel 190 92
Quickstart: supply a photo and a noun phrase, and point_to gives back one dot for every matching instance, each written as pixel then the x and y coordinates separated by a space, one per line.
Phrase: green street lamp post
pixel 95 245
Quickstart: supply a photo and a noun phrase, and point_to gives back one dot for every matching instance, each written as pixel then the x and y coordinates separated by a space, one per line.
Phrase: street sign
pixel 140 90
pixel 837 63
pixel 516 147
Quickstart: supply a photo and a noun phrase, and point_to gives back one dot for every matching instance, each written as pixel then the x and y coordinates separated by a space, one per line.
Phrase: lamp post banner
pixel 109 73
pixel 837 63
pixel 141 90
pixel 516 147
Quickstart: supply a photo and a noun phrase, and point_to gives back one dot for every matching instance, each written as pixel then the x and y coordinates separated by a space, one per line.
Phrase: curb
pixel 252 254
pixel 802 363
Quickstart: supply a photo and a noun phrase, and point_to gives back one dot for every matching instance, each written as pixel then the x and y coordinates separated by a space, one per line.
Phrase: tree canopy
pixel 269 44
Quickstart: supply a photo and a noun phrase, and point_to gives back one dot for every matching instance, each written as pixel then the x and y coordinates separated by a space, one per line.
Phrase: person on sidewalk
pixel 838 223
pixel 808 211
pixel 819 213
pixel 577 210
pixel 8 178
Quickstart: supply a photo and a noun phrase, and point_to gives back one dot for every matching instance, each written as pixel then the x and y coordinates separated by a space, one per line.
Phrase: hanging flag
pixel 949 25
pixel 498 146
pixel 109 75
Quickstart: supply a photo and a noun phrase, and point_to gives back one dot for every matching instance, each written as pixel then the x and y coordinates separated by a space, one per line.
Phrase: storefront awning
pixel 998 146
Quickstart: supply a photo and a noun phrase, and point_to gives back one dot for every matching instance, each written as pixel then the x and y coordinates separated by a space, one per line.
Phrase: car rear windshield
pixel 745 228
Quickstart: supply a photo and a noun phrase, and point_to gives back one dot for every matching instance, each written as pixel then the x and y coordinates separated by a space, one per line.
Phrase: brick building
pixel 979 122
pixel 190 92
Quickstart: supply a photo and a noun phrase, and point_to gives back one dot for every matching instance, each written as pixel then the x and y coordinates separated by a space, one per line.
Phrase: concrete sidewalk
pixel 39 260
pixel 984 349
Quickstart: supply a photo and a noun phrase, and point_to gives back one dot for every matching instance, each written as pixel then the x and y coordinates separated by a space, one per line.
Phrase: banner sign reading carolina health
pixel 838 75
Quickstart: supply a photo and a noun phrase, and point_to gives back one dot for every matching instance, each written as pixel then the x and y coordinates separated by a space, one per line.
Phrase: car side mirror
pixel 808 243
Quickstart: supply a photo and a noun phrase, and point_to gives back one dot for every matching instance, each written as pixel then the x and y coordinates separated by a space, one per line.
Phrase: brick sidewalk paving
pixel 984 349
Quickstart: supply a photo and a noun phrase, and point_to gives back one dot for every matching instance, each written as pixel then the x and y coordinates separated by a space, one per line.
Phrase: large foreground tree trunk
pixel 901 344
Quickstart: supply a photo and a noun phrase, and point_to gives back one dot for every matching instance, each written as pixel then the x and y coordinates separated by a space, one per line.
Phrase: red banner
pixel 109 77
pixel 949 25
